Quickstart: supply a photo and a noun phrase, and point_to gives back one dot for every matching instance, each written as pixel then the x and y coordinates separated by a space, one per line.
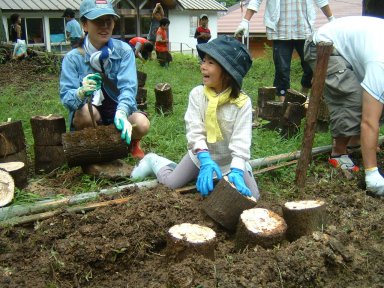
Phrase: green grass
pixel 167 133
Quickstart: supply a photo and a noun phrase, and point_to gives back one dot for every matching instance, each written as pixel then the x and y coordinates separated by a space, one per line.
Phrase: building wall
pixel 179 30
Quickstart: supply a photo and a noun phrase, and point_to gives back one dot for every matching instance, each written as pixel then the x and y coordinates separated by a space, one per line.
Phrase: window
pixel 193 22
pixel 34 30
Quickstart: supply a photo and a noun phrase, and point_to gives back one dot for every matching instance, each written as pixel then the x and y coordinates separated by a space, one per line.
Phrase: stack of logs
pixel 48 147
pixel 141 97
pixel 286 116
pixel 13 150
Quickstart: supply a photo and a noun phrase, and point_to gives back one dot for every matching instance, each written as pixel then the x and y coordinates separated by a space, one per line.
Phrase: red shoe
pixel 136 150
pixel 343 162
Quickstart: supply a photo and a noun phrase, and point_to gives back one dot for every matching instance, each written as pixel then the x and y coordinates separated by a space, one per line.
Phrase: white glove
pixel 243 28
pixel 331 18
pixel 90 83
pixel 122 124
pixel 375 182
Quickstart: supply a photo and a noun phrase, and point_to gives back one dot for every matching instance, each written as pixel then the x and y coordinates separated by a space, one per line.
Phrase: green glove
pixel 90 84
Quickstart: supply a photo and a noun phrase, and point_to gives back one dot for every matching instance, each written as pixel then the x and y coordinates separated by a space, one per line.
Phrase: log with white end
pixel 259 226
pixel 225 204
pixel 18 171
pixel 185 239
pixel 7 188
pixel 303 217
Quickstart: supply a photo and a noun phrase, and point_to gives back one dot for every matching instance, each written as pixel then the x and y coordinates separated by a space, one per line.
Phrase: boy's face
pixel 204 21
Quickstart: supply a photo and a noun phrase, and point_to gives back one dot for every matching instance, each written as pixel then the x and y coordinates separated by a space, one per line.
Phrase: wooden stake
pixel 324 50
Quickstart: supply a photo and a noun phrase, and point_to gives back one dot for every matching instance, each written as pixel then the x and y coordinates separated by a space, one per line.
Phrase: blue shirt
pixel 73 27
pixel 121 71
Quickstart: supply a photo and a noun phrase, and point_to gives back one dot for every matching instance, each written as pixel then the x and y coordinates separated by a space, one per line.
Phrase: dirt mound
pixel 125 246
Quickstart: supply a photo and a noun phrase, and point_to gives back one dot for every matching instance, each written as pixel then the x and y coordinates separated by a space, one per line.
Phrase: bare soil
pixel 125 245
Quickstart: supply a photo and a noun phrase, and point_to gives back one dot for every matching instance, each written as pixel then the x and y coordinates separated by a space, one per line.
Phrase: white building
pixel 43 26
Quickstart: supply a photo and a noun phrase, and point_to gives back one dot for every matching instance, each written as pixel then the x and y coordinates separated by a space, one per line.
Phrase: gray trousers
pixel 186 171
pixel 342 92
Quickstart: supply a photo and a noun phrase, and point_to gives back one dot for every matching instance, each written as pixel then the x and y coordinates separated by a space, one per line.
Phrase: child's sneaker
pixel 343 162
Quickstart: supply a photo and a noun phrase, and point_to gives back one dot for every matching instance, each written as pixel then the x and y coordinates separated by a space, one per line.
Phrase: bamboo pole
pixel 45 215
pixel 324 50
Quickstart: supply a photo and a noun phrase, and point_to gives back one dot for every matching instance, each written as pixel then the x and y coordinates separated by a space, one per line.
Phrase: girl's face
pixel 99 30
pixel 213 74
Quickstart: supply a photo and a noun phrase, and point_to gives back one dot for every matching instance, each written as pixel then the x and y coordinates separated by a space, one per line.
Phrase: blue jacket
pixel 122 72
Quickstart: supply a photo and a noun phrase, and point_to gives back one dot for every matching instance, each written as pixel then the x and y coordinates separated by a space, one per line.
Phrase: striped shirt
pixel 293 23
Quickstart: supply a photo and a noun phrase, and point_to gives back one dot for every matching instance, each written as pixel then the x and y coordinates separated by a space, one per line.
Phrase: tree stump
pixel 164 98
pixel 265 94
pixel 259 226
pixel 47 130
pixel 48 158
pixel 141 78
pixel 94 145
pixel 185 239
pixel 7 188
pixel 225 204
pixel 47 135
pixel 12 139
pixel 116 169
pixel 141 99
pixel 16 157
pixel 272 110
pixel 322 124
pixel 303 217
pixel 18 171
pixel 290 122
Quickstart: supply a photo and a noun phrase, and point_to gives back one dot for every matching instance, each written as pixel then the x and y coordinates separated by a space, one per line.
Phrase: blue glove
pixel 207 167
pixel 236 176
pixel 122 124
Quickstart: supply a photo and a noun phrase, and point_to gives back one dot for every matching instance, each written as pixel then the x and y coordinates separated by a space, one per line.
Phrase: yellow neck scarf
pixel 214 101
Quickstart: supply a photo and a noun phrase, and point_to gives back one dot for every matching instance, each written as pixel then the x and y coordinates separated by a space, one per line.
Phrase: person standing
pixel 354 89
pixel 202 33
pixel 157 15
pixel 15 27
pixel 218 126
pixel 72 28
pixel 162 42
pixel 288 24
pixel 103 70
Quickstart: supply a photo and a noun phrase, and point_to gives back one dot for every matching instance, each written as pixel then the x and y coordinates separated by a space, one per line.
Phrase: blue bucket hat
pixel 92 9
pixel 231 54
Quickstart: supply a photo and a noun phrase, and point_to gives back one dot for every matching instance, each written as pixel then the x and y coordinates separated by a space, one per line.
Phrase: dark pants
pixel 282 56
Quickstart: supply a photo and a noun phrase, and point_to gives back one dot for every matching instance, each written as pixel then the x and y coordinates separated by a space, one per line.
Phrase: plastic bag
pixel 20 49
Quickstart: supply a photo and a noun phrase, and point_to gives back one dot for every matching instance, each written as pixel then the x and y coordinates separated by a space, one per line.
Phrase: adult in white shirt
pixel 354 89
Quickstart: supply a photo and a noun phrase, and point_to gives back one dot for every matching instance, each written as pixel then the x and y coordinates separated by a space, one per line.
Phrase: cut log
pixel 142 106
pixel 12 138
pixel 141 96
pixel 7 188
pixel 48 158
pixel 94 145
pixel 186 239
pixel 265 94
pixel 272 110
pixel 16 157
pixel 47 130
pixel 259 226
pixel 164 98
pixel 294 96
pixel 303 217
pixel 141 78
pixel 18 171
pixel 225 204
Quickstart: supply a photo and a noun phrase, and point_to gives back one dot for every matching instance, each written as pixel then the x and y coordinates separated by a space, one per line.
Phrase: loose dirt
pixel 125 245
